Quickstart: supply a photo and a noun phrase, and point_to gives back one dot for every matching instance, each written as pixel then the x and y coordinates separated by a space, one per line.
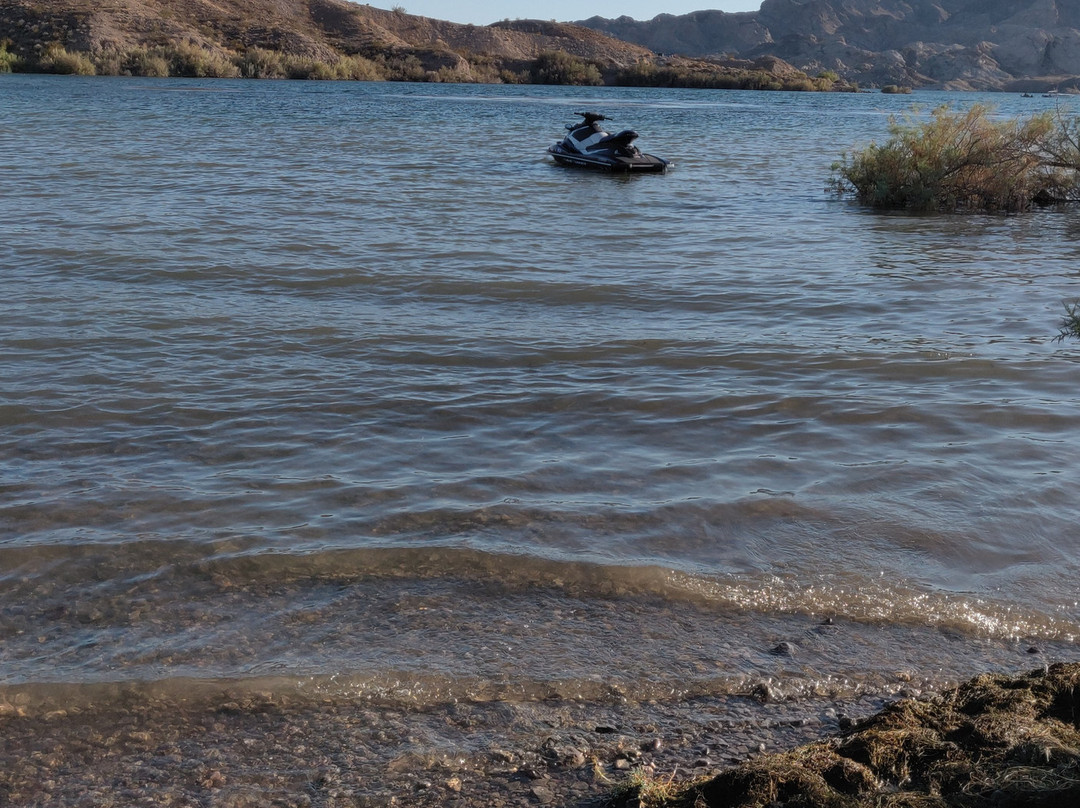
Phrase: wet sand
pixel 234 749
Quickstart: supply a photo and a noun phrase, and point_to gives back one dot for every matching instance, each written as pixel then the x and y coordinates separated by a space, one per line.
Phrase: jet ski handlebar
pixel 591 117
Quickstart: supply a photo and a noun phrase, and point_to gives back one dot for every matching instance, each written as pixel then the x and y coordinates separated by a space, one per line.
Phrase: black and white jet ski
pixel 587 145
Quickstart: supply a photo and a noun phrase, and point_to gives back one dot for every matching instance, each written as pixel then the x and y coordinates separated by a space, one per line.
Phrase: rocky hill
pixel 305 29
pixel 327 39
pixel 1011 45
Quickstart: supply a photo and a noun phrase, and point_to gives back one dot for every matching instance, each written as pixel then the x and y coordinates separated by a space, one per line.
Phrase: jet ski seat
pixel 625 136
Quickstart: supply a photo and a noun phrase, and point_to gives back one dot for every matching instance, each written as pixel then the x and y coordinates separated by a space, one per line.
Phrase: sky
pixel 483 12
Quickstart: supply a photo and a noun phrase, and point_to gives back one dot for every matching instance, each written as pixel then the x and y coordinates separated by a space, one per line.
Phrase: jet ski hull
pixel 638 164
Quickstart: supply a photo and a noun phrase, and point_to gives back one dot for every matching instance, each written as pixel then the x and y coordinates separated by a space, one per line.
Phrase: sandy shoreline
pixel 261 749
pixel 993 740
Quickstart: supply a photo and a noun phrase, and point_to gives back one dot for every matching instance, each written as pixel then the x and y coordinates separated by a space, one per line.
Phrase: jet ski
pixel 587 145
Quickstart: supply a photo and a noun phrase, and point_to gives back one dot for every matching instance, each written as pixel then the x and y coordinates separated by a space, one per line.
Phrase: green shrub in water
pixel 966 160
pixel 1070 322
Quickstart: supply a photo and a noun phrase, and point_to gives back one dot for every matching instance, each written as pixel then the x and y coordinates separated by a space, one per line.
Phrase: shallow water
pixel 347 388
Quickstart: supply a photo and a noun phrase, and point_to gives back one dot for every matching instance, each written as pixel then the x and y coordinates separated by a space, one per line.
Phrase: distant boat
pixel 1026 95
pixel 1051 94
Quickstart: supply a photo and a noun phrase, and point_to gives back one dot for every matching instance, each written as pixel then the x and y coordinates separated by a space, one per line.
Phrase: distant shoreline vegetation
pixel 551 67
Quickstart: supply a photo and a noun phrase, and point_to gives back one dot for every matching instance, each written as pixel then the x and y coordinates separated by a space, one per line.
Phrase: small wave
pixel 193 569
pixel 435 624
pixel 407 690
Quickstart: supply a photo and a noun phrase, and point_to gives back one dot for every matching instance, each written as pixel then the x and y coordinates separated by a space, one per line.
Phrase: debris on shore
pixel 995 740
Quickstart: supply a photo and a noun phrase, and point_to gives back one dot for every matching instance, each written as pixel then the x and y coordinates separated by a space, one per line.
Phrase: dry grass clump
pixel 644 789
pixel 994 742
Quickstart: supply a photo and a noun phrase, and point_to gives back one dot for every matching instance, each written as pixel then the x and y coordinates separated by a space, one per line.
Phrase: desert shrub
pixel 145 62
pixel 109 62
pixel 9 62
pixel 160 62
pixel 259 63
pixel 402 68
pixel 307 69
pixel 1060 154
pixel 485 74
pixel 965 160
pixel 451 75
pixel 829 80
pixel 559 67
pixel 484 68
pixel 514 76
pixel 641 74
pixel 191 61
pixel 646 74
pixel 895 89
pixel 358 68
pixel 56 59
pixel 153 66
pixel 763 81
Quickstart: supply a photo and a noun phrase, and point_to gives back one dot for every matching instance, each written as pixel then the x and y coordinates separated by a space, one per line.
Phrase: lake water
pixel 347 388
